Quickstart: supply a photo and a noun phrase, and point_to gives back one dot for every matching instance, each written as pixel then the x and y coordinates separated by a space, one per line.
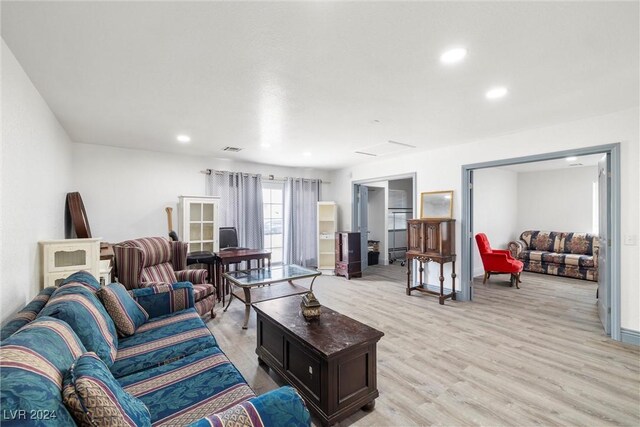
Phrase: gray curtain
pixel 300 221
pixel 240 205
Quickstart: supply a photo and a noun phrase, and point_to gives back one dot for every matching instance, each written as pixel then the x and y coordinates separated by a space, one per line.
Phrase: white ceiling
pixel 316 76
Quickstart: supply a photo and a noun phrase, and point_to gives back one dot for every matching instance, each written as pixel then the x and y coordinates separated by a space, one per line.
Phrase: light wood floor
pixel 533 356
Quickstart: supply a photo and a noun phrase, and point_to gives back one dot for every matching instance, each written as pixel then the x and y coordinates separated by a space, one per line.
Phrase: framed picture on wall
pixel 436 204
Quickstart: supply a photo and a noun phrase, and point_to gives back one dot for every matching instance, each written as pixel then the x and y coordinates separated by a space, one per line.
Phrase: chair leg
pixel 486 276
pixel 512 279
pixel 213 315
pixel 518 280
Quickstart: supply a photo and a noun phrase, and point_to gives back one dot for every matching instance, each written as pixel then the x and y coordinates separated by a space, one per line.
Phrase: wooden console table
pixel 330 361
pixel 431 240
pixel 423 287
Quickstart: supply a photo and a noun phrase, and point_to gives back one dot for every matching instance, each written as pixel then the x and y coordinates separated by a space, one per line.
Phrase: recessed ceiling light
pixel 496 92
pixel 183 138
pixel 453 55
pixel 571 159
pixel 306 154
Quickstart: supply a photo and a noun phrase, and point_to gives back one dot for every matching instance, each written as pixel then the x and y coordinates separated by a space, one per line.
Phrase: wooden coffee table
pixel 330 361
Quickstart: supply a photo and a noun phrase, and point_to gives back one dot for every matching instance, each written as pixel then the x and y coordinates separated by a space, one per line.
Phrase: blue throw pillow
pixel 95 398
pixel 126 313
pixel 34 361
pixel 84 278
pixel 82 310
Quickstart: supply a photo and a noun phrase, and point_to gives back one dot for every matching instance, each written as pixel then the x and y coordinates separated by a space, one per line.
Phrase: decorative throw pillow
pixel 83 278
pixel 95 398
pixel 126 313
pixel 81 309
pixel 33 363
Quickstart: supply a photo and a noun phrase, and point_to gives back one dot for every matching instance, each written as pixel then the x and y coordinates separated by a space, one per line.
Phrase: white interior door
pixel 604 235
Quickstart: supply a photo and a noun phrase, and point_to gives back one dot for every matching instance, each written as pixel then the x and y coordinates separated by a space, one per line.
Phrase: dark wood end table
pixel 330 361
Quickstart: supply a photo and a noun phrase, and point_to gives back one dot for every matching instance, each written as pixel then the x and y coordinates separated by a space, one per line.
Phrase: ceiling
pixel 318 81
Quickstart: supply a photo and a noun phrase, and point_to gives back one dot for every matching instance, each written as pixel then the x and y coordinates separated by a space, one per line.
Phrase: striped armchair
pixel 153 261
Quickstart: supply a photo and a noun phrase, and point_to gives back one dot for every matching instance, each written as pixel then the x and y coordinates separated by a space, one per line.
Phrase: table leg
pixel 220 281
pixel 229 303
pixel 247 306
pixel 408 290
pixel 453 280
pixel 441 284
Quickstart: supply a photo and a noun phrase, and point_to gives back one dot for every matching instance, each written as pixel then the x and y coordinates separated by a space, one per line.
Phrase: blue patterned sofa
pixel 561 254
pixel 169 372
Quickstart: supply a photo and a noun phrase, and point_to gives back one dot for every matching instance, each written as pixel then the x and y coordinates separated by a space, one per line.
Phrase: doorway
pixel 380 209
pixel 608 229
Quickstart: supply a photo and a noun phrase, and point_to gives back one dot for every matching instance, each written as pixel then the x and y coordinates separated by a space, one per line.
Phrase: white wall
pixel 440 169
pixel 557 200
pixel 125 192
pixel 36 175
pixel 495 211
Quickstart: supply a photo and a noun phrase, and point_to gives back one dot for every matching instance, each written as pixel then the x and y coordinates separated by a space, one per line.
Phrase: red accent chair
pixel 497 261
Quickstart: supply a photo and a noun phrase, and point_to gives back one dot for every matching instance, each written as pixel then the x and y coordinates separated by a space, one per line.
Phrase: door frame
pixel 354 212
pixel 613 150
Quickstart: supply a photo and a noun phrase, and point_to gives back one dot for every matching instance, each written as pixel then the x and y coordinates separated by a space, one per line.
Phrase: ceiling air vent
pixel 232 149
pixel 575 164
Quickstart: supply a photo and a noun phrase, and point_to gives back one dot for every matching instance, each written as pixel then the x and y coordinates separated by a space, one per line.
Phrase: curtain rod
pixel 268 177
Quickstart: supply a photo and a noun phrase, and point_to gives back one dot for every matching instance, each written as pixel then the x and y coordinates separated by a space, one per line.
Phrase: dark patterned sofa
pixel 561 254
pixel 171 369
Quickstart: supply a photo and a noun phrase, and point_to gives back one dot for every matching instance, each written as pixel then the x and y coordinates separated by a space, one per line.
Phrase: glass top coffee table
pixel 255 284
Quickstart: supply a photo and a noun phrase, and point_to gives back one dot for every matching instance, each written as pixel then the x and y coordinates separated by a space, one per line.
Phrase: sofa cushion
pixel 33 362
pixel 95 398
pixel 125 312
pixel 159 273
pixel 279 407
pixel 84 278
pixel 578 243
pixel 532 255
pixel 547 241
pixel 163 339
pixel 82 310
pixel 568 259
pixel 27 314
pixel 188 389
pixel 202 290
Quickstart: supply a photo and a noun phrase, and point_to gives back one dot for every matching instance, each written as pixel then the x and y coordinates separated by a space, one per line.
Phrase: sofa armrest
pixel 516 247
pixel 596 251
pixel 280 407
pixel 165 298
pixel 196 276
